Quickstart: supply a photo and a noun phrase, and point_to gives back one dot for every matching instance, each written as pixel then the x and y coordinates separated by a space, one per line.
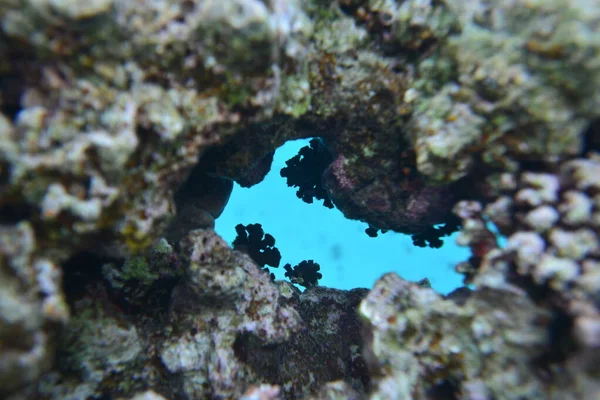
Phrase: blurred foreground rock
pixel 123 123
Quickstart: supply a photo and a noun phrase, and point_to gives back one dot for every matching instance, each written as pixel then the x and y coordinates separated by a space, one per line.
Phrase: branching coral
pixel 304 274
pixel 260 246
pixel 305 171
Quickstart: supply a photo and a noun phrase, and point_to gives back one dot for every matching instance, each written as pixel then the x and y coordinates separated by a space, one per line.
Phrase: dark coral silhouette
pixel 432 236
pixel 260 246
pixel 305 171
pixel 371 231
pixel 304 274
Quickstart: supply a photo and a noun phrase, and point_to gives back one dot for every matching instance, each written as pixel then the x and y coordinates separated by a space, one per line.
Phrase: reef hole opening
pixel 348 257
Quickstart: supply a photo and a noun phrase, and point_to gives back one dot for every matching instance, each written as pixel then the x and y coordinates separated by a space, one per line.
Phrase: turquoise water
pixel 347 256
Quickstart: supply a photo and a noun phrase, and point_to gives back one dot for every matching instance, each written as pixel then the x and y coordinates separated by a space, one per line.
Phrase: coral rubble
pixel 123 125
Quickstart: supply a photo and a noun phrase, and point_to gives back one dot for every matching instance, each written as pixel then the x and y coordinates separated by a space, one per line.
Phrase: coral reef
pixel 305 171
pixel 421 346
pixel 123 125
pixel 226 327
pixel 552 251
pixel 260 246
pixel 304 274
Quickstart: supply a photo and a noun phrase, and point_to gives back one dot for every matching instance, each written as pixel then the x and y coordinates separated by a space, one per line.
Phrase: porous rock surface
pixel 112 111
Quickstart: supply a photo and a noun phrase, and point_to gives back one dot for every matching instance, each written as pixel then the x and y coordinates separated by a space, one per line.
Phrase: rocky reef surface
pixel 124 123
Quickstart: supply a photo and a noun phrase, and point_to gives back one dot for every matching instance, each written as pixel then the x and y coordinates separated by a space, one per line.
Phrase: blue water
pixel 347 256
